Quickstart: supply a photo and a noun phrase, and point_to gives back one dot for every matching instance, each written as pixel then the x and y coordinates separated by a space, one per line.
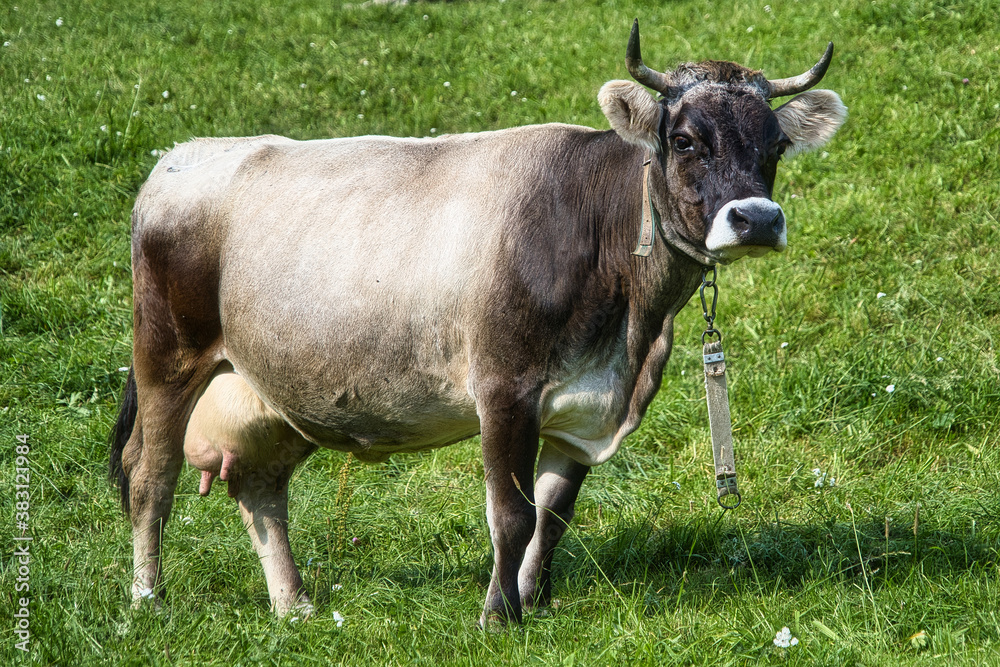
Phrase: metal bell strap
pixel 717 396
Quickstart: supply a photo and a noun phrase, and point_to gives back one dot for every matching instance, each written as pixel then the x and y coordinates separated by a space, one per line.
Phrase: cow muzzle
pixel 754 226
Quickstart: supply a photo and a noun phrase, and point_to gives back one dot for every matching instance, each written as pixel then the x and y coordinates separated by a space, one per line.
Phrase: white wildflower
pixel 880 295
pixel 784 345
pixel 41 98
pixel 193 107
pixel 750 29
pixel 767 8
pixel 48 78
pixel 312 45
pixel 890 388
pixel 166 94
pixel 433 130
pixel 361 116
pixel 783 638
pixel 447 84
pixel 513 93
pixel 6 43
pixel 75 214
pixel 363 93
pixel 822 479
pixel 302 85
pixel 940 359
pixel 104 128
pixel 426 17
pixel 59 22
pixel 340 619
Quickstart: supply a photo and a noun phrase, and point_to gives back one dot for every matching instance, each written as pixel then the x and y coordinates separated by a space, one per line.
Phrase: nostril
pixel 778 223
pixel 739 220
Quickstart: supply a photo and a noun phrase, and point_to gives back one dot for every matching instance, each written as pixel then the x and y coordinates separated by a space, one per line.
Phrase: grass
pixel 904 202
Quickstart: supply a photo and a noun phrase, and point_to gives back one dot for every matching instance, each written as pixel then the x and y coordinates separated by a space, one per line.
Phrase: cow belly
pixel 372 409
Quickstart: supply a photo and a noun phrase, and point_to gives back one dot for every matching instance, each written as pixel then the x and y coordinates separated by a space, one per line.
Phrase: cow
pixel 379 295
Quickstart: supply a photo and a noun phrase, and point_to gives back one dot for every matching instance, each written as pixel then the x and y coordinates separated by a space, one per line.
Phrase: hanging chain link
pixel 717 396
pixel 710 330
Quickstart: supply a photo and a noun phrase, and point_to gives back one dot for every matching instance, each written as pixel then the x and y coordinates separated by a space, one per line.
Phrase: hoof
pixel 301 610
pixel 146 598
pixel 497 621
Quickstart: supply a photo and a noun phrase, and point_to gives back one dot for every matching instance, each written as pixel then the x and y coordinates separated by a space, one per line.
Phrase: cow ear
pixel 632 112
pixel 811 119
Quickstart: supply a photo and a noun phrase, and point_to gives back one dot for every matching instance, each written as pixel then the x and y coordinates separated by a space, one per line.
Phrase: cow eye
pixel 681 143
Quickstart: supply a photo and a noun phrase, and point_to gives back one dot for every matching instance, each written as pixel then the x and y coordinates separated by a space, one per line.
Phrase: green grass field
pixel 889 555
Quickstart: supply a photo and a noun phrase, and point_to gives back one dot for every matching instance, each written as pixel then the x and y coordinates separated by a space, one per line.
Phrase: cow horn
pixel 797 84
pixel 658 81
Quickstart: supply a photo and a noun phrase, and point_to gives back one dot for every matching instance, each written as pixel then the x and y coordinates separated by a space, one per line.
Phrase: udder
pixel 231 430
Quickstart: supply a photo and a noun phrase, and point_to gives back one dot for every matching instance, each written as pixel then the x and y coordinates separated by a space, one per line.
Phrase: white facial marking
pixel 725 241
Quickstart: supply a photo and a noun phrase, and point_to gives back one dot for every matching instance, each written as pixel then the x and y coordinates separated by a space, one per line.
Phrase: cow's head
pixel 717 142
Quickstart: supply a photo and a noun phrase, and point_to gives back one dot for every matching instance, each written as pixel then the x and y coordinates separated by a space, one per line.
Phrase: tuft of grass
pixel 891 559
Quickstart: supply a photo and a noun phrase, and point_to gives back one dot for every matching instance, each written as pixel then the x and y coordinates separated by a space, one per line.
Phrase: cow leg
pixel 152 461
pixel 510 444
pixel 556 488
pixel 263 500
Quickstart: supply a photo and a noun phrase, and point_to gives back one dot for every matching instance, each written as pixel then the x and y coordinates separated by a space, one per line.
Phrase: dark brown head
pixel 718 142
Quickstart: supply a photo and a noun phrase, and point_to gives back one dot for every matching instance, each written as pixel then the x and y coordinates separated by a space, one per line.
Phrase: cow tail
pixel 119 436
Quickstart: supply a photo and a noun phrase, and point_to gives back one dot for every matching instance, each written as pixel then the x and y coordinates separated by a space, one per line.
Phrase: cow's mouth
pixel 732 253
pixel 761 250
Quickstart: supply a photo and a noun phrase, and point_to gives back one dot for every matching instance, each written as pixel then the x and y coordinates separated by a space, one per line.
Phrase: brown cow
pixel 378 295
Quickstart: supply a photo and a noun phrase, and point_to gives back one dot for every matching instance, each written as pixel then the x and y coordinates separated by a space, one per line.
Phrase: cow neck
pixel 651 220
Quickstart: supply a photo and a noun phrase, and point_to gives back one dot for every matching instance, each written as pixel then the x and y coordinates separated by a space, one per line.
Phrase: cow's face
pixel 716 144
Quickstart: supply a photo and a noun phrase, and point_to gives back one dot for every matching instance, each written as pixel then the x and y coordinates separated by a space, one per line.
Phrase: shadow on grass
pixel 711 555
pixel 708 556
